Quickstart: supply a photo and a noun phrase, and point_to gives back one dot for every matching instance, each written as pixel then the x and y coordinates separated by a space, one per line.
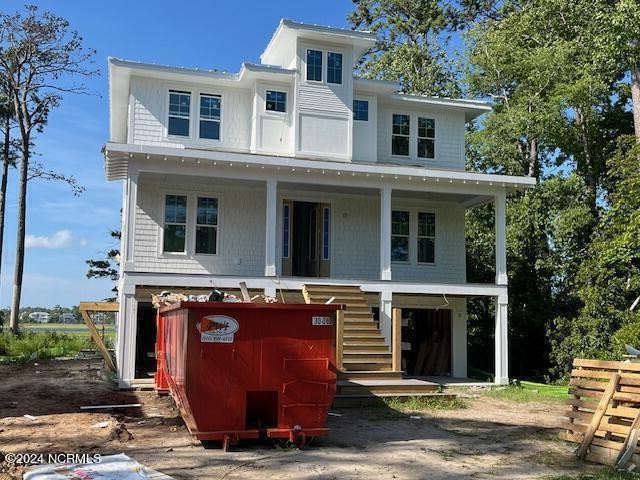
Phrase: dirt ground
pixel 488 439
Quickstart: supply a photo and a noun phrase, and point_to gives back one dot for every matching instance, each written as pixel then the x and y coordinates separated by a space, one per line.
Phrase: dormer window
pixel 179 110
pixel 334 67
pixel 314 65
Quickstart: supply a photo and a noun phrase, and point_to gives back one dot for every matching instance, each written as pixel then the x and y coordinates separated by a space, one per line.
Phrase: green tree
pixel 411 45
pixel 38 55
pixel 107 267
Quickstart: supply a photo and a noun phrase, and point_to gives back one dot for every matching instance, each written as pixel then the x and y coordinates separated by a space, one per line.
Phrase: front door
pixel 306 239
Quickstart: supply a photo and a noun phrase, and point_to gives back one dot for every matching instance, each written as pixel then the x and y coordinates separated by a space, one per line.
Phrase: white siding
pixel 241 231
pixel 273 129
pixel 149 99
pixel 323 110
pixel 449 147
pixel 450 254
pixel 365 147
pixel 355 238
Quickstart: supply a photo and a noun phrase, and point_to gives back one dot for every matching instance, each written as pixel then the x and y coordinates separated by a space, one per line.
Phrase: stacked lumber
pixel 605 412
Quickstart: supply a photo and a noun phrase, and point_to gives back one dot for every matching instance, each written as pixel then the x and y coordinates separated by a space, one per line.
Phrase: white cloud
pixel 60 239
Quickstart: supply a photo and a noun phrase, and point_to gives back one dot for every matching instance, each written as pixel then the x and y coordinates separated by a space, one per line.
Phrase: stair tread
pixel 402 382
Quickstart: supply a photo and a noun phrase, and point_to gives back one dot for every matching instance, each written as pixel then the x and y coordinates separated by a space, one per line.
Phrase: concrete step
pixel 364 400
pixel 386 386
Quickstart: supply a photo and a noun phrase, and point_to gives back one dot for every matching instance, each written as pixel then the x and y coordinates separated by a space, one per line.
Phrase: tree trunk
pixel 3 182
pixel 22 217
pixel 635 100
pixel 534 168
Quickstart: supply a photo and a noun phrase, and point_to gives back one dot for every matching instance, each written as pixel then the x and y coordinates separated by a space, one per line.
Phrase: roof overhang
pixel 470 108
pixel 118 157
pixel 279 51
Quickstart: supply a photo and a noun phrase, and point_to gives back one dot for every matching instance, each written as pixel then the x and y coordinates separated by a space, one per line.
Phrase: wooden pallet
pixel 604 413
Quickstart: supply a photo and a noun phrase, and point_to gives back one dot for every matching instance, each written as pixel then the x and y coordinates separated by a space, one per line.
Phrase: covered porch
pixel 356 235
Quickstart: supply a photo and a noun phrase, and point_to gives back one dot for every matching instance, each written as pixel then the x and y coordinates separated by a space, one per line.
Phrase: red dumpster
pixel 247 370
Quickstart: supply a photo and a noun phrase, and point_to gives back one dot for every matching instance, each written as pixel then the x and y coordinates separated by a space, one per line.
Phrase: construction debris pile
pixel 605 412
pixel 169 298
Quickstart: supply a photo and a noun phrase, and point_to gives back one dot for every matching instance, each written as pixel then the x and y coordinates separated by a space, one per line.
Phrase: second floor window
pixel 361 110
pixel 210 116
pixel 175 224
pixel 334 67
pixel 179 110
pixel 314 65
pixel 276 101
pixel 207 226
pixel 426 137
pixel 399 236
pixel 400 135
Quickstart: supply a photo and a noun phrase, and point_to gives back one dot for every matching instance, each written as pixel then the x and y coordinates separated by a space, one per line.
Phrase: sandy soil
pixel 488 439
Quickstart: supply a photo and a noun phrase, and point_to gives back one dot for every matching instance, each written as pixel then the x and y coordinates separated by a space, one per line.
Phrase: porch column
pixel 270 239
pixel 126 336
pixel 501 376
pixel 385 234
pixel 386 298
pixel 500 201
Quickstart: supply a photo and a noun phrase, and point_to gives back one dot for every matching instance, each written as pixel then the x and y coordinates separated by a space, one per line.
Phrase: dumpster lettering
pixel 217 329
pixel 321 321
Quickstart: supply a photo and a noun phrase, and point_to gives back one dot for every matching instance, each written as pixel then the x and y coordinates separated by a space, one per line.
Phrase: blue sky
pixel 65 230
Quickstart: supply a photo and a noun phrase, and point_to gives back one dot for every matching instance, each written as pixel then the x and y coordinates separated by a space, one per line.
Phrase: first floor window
pixel 426 237
pixel 426 137
pixel 361 110
pixel 314 65
pixel 399 236
pixel 334 67
pixel 175 223
pixel 210 116
pixel 179 110
pixel 207 225
pixel 276 101
pixel 400 135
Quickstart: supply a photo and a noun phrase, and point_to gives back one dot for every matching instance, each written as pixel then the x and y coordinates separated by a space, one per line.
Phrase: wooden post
pixel 339 338
pixel 396 339
pixel 612 387
pixel 85 308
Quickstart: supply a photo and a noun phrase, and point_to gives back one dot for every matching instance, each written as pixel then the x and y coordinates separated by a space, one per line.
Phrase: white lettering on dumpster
pixel 321 321
pixel 217 329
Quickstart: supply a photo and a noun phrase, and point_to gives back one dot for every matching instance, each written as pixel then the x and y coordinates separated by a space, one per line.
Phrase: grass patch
pixel 416 404
pixel 27 346
pixel 523 391
pixel 607 474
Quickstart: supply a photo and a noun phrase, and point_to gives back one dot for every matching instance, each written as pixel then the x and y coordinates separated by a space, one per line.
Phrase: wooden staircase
pixel 367 361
